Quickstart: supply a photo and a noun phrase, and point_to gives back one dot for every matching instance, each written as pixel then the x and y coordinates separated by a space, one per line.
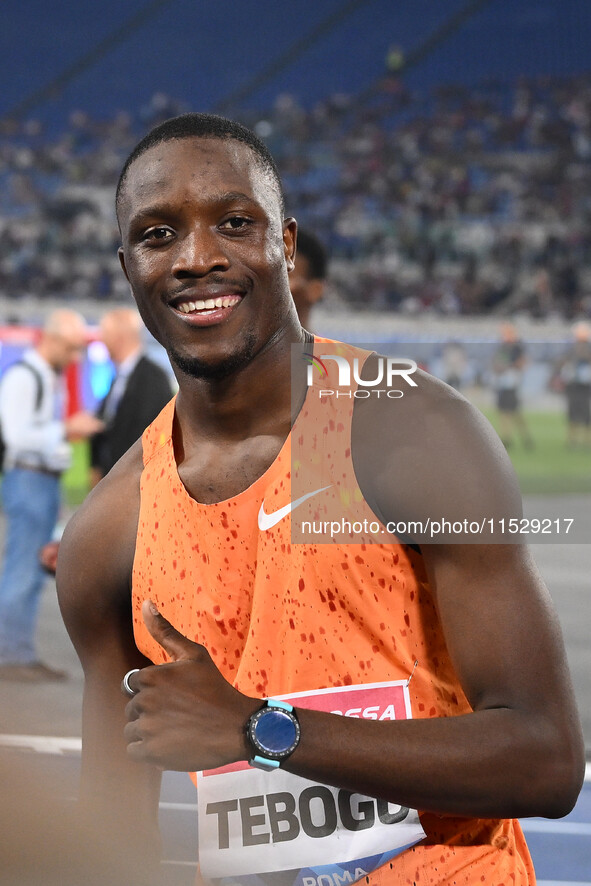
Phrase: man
pixel 508 364
pixel 187 543
pixel 139 391
pixel 37 452
pixel 307 280
pixel 573 375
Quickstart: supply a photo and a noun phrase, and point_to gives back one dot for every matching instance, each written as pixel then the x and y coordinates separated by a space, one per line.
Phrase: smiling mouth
pixel 208 305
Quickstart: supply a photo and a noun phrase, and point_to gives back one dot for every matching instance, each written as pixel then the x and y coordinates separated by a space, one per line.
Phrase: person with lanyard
pixel 37 439
pixel 373 709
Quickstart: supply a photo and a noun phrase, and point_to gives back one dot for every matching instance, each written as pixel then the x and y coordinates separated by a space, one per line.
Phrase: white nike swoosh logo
pixel 266 521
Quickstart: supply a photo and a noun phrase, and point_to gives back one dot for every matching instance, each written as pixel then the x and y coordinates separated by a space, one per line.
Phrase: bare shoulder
pixel 96 553
pixel 430 455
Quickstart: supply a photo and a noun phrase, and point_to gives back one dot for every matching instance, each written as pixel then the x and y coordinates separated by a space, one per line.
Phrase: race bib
pixel 261 828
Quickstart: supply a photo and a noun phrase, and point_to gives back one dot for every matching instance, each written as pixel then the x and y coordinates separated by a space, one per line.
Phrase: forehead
pixel 72 336
pixel 198 168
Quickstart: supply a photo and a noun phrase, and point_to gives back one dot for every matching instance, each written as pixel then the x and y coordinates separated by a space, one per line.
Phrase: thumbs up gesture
pixel 184 714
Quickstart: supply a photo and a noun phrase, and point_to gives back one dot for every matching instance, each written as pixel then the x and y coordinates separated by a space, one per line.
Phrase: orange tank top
pixel 280 618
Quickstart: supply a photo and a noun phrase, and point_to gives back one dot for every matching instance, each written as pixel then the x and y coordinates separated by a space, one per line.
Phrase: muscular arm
pixel 518 753
pixel 94 580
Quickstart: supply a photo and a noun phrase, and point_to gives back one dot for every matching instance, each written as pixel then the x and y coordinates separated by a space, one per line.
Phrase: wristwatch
pixel 274 734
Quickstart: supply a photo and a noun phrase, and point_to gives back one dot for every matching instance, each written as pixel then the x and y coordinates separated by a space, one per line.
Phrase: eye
pixel 235 223
pixel 158 233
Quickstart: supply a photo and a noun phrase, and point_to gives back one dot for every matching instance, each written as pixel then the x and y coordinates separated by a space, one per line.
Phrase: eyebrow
pixel 160 209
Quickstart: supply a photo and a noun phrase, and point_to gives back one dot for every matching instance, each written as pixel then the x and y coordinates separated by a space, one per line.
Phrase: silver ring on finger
pixel 125 687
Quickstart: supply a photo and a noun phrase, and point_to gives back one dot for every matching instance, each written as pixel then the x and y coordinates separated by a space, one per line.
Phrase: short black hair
pixel 314 251
pixel 197 125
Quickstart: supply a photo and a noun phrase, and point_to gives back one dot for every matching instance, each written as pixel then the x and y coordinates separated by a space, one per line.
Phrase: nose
pixel 200 251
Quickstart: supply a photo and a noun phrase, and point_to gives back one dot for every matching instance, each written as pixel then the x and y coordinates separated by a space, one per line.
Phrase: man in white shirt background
pixel 37 439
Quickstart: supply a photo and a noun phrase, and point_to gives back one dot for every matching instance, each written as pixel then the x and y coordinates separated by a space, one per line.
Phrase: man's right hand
pixel 184 715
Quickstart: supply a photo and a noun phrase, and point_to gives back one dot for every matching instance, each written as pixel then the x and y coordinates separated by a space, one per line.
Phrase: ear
pixel 121 256
pixel 290 232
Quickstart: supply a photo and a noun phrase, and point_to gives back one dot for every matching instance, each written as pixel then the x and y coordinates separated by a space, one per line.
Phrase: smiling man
pixel 323 693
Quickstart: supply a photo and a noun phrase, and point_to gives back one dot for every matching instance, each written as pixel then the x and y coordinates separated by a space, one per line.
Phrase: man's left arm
pixel 518 752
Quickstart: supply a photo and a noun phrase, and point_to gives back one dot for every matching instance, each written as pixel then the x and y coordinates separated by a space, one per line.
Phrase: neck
pixel 256 399
pixel 45 353
pixel 304 315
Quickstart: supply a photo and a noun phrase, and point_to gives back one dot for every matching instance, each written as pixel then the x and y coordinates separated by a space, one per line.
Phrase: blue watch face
pixel 275 732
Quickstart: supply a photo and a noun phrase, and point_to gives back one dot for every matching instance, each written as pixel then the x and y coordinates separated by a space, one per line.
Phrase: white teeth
pixel 208 304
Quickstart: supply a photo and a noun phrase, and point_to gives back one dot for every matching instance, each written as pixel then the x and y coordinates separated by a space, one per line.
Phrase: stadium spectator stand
pixel 462 200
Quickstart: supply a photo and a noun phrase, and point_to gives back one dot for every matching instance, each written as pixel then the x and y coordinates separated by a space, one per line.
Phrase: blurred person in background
pixel 573 375
pixel 139 390
pixel 308 278
pixel 38 451
pixel 508 365
pixel 454 364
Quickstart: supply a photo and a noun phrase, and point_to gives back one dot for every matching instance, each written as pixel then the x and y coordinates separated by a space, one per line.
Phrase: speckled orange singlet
pixel 279 618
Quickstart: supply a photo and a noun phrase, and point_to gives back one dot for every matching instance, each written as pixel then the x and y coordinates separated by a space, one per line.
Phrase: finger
pixel 139 752
pixel 133 710
pixel 136 750
pixel 132 732
pixel 179 648
pixel 127 686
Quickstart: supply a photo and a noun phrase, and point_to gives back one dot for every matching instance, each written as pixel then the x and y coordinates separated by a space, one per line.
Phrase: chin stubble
pixel 198 368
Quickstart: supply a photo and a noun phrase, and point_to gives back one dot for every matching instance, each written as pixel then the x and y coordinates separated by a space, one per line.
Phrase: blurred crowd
pixel 458 201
